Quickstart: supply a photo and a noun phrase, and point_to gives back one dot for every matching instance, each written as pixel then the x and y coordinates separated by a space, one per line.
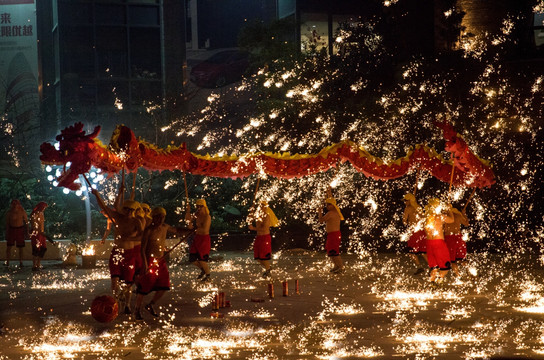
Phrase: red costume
pixel 16 236
pixel 332 246
pixel 438 255
pixel 200 248
pixel 456 246
pixel 138 263
pixel 39 245
pixel 128 265
pixel 116 260
pixel 417 244
pixel 155 278
pixel 262 247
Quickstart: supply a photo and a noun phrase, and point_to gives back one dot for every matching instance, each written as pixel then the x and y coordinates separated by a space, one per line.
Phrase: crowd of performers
pixel 436 236
pixel 139 252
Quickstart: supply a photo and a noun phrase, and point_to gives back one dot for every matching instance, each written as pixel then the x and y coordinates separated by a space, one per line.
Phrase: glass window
pixel 111 49
pixel 144 15
pixel 77 51
pixel 110 14
pixel 87 94
pixel 145 53
pixel 314 32
pixel 75 13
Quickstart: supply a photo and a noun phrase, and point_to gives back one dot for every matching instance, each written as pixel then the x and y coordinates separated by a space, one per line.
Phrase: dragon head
pixel 75 147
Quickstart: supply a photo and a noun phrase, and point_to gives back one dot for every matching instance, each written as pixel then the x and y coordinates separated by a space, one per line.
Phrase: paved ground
pixel 376 309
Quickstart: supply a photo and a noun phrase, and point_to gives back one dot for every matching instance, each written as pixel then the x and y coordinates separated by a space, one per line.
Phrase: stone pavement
pixel 376 309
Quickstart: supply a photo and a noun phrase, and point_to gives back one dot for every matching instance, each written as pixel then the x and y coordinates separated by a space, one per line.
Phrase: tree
pixel 370 94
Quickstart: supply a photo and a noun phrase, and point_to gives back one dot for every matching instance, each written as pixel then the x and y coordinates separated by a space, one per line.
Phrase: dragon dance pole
pixel 87 209
pixel 417 179
pixel 469 198
pixel 122 194
pixel 187 206
pixel 256 190
pixel 451 178
pixel 133 193
pixel 186 191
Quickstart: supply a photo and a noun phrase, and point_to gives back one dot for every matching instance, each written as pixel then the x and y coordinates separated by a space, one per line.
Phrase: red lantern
pixel 104 308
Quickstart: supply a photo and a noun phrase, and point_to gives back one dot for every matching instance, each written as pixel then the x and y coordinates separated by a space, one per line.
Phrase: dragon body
pixel 126 151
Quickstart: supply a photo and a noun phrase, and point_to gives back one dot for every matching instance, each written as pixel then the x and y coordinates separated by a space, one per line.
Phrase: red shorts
pixel 200 248
pixel 332 246
pixel 138 262
pixel 438 255
pixel 262 247
pixel 417 244
pixel 16 236
pixel 155 278
pixel 39 245
pixel 116 260
pixel 457 247
pixel 128 265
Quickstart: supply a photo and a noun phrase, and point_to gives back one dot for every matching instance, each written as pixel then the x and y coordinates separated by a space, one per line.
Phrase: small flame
pixel 88 251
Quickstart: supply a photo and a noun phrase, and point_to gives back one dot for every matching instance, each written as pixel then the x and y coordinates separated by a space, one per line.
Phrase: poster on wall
pixel 19 99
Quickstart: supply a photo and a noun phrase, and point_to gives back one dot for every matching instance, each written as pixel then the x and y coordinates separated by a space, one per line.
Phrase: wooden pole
pixel 133 193
pixel 336 170
pixel 452 172
pixel 256 189
pixel 186 191
pixel 417 180
pixel 179 242
pixel 122 193
pixel 87 181
pixel 469 198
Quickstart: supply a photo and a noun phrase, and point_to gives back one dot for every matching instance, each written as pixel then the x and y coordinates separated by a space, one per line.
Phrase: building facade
pixel 111 62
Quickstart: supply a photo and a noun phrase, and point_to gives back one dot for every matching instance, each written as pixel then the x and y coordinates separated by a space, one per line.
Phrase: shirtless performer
pixel 116 254
pixel 154 276
pixel 129 229
pixel 332 223
pixel 264 218
pixel 37 235
pixel 143 212
pixel 438 255
pixel 413 218
pixel 454 239
pixel 16 229
pixel 199 251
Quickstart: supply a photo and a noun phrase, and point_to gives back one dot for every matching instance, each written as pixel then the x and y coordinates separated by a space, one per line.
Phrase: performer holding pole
pixel 438 255
pixel 332 219
pixel 129 229
pixel 199 251
pixel 260 221
pixel 417 243
pixel 454 239
pixel 155 275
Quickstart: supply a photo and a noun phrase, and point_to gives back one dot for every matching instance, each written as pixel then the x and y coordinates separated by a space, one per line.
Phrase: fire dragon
pixel 78 151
